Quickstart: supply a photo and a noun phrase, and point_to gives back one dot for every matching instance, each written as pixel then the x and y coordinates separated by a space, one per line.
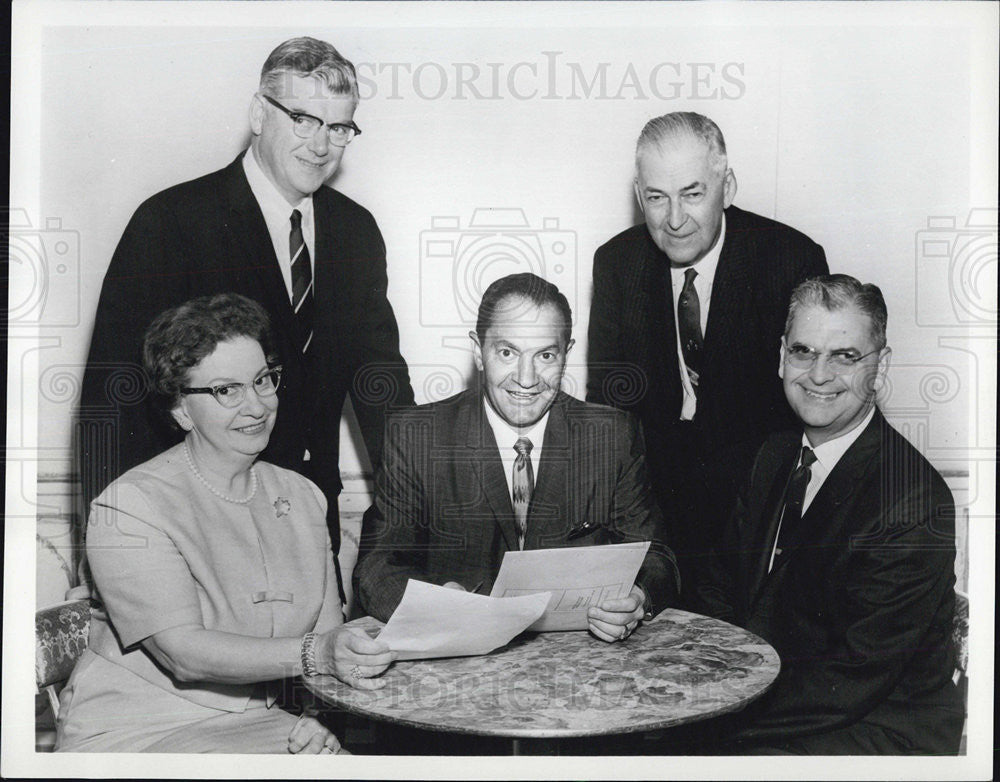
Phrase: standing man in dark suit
pixel 513 463
pixel 266 227
pixel 685 314
pixel 840 553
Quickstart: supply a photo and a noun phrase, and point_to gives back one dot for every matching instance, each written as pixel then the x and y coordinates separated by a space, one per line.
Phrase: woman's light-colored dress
pixel 165 551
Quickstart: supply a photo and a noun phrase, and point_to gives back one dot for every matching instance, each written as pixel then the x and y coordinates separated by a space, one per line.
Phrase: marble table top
pixel 677 668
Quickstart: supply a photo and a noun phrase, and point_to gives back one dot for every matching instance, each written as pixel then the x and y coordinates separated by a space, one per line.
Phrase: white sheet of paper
pixel 432 621
pixel 577 578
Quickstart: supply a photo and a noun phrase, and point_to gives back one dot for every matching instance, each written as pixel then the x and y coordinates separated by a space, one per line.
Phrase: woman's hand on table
pixel 614 620
pixel 311 737
pixel 353 657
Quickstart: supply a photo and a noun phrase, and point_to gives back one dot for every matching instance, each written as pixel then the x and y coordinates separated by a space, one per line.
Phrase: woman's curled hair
pixel 179 338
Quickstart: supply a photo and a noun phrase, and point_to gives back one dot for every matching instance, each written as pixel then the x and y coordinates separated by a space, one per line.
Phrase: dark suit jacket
pixel 859 606
pixel 632 362
pixel 209 236
pixel 442 509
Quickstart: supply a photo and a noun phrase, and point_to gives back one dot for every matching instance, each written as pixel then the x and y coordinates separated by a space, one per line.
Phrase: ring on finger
pixel 356 672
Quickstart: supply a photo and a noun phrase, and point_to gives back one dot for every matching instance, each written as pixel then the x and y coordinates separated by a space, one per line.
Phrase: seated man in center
pixel 512 463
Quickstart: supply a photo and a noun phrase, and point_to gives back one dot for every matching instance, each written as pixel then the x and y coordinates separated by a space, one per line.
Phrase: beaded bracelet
pixel 309 655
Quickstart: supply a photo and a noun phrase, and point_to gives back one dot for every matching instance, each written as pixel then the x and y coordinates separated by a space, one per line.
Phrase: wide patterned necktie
pixel 795 496
pixel 689 325
pixel 302 282
pixel 522 484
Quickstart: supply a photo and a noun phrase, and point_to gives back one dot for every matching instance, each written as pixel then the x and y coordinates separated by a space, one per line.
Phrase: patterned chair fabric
pixel 61 634
pixel 960 631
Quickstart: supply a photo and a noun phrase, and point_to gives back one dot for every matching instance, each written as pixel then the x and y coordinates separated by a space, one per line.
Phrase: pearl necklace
pixel 211 488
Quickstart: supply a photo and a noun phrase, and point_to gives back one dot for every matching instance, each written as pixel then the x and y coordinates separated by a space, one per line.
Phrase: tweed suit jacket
pixel 442 509
pixel 859 606
pixel 208 236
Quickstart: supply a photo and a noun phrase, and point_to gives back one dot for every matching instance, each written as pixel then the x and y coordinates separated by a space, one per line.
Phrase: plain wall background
pixel 856 133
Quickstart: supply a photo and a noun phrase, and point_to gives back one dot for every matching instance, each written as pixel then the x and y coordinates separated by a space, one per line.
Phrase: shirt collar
pixel 272 203
pixel 506 435
pixel 707 265
pixel 830 452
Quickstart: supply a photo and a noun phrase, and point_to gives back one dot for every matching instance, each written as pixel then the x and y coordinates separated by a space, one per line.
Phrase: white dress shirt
pixel 827 456
pixel 703 285
pixel 277 215
pixel 506 436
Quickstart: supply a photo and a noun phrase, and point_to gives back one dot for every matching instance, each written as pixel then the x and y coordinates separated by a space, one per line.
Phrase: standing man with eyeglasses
pixel 840 553
pixel 266 227
pixel 685 314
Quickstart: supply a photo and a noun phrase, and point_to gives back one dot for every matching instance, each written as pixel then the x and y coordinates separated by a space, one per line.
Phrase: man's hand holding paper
pixel 615 620
pixel 591 587
pixel 544 589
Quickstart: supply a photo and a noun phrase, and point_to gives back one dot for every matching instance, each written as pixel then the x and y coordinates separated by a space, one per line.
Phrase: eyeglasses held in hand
pixel 232 394
pixel 840 362
pixel 306 125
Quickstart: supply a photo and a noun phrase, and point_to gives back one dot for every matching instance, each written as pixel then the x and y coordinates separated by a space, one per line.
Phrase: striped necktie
pixel 302 282
pixel 522 484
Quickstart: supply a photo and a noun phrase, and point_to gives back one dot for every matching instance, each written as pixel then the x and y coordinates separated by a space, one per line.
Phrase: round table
pixel 678 668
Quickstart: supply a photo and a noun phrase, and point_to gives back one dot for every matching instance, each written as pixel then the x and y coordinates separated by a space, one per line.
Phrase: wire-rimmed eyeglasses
pixel 840 362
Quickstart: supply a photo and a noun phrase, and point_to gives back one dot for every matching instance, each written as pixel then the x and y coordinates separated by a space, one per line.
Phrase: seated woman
pixel 216 574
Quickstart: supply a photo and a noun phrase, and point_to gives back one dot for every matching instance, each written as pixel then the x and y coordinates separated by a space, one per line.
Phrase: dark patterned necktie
pixel 795 496
pixel 689 325
pixel 522 484
pixel 302 282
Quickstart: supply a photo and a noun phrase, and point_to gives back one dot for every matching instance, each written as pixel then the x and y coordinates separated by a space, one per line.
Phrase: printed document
pixel 433 621
pixel 577 578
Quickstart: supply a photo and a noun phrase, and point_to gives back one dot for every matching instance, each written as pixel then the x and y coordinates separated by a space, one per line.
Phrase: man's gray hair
pixel 837 292
pixel 685 123
pixel 308 57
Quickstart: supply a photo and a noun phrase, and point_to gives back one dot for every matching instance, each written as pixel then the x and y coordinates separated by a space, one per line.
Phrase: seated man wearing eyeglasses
pixel 265 227
pixel 840 554
pixel 512 463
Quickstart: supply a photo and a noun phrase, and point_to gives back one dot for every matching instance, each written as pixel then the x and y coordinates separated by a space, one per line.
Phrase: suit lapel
pixel 250 237
pixel 731 295
pixel 546 514
pixel 763 543
pixel 329 246
pixel 664 321
pixel 655 298
pixel 487 467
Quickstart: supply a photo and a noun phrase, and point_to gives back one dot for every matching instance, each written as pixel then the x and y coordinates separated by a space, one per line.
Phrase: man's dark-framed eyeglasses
pixel 839 361
pixel 232 394
pixel 306 125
